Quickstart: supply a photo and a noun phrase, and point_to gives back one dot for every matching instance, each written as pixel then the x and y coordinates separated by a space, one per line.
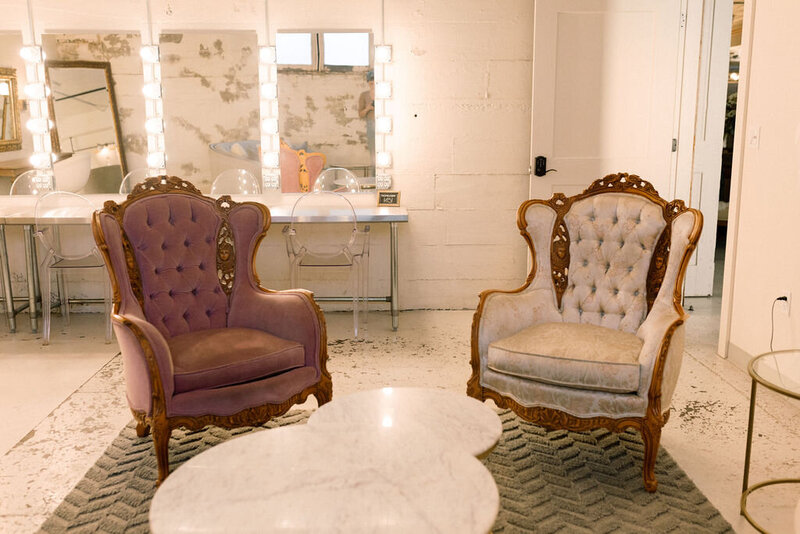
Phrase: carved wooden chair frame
pixel 655 417
pixel 161 424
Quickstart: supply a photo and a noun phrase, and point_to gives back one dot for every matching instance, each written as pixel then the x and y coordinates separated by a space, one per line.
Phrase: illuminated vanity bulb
pixel 4 89
pixel 269 91
pixel 41 160
pixel 383 159
pixel 35 91
pixel 152 90
pixel 269 126
pixel 383 90
pixel 156 160
pixel 32 54
pixel 149 53
pixel 271 160
pixel 266 55
pixel 154 125
pixel 38 126
pixel 383 54
pixel 383 125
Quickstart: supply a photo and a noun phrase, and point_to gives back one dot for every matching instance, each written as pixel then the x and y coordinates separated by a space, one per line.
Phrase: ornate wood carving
pixel 559 252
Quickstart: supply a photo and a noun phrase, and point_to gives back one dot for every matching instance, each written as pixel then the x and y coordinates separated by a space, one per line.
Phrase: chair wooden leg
pixel 161 433
pixel 651 436
pixel 142 429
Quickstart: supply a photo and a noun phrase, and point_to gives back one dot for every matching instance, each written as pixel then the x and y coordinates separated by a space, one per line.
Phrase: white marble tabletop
pixel 319 479
pixel 454 419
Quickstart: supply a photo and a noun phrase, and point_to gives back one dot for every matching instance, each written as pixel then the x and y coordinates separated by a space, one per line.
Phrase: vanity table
pixel 19 210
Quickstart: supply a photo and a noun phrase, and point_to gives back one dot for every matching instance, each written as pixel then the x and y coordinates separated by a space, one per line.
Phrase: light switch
pixel 754 137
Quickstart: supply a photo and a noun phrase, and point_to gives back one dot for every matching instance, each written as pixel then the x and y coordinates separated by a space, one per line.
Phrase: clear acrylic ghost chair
pixel 338 245
pixel 337 179
pixel 235 182
pixel 67 246
pixel 35 182
pixel 134 177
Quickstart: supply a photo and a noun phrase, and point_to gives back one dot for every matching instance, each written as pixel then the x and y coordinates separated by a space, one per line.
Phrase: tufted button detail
pixel 585 263
pixel 208 241
pixel 208 313
pixel 186 315
pixel 194 291
pixel 179 268
pixel 630 269
pixel 202 266
pixel 636 293
pixel 170 293
pixel 621 244
pixel 591 218
pixel 594 289
pixel 163 246
pixel 157 270
pixel 638 220
pixel 616 291
pixel 644 247
pixel 600 242
pixel 186 243
pixel 615 220
pixel 602 313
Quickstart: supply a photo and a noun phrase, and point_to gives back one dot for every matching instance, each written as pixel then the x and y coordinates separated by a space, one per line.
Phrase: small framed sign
pixel 388 198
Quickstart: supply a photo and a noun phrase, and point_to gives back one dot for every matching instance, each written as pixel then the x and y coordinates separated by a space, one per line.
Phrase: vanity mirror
pixel 10 131
pixel 326 102
pixel 96 104
pixel 211 103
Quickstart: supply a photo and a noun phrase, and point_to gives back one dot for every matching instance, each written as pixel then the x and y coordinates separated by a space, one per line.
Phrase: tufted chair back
pixel 612 239
pixel 607 249
pixel 172 247
pixel 174 241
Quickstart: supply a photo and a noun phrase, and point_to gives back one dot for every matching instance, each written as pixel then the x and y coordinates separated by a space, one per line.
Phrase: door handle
pixel 540 166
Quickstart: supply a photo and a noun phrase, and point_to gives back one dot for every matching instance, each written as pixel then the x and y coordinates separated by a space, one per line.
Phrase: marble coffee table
pixel 308 478
pixel 457 421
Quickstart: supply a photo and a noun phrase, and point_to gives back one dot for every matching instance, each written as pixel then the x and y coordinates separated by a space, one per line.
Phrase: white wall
pixel 766 261
pixel 461 109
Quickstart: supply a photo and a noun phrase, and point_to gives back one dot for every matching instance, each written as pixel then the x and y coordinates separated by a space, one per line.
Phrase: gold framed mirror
pixel 10 130
pixel 83 107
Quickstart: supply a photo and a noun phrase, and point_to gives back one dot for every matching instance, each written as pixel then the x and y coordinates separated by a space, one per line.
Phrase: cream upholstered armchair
pixel 594 339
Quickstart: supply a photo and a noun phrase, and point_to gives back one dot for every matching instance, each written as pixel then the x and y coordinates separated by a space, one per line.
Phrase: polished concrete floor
pixel 61 406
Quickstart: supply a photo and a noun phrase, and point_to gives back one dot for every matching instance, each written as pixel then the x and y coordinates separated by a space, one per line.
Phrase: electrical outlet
pixel 785 305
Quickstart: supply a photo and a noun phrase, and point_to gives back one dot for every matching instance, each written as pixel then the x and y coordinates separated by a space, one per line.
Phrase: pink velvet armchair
pixel 202 342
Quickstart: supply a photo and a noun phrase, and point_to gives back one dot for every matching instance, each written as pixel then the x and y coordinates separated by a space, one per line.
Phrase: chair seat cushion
pixel 218 357
pixel 582 356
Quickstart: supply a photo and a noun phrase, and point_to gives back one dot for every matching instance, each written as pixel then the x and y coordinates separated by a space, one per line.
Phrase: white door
pixel 605 91
pixel 708 130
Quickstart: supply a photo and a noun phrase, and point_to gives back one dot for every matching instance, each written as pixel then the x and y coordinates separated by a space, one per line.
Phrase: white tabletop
pixel 457 421
pixel 19 209
pixel 307 479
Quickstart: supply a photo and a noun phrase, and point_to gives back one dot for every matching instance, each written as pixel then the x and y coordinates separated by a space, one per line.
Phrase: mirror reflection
pixel 211 104
pixel 10 133
pixel 326 105
pixel 96 105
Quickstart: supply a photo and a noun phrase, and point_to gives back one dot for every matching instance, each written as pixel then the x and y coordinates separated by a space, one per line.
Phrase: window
pixel 324 50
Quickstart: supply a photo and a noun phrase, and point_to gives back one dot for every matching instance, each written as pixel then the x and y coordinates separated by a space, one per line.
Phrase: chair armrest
pixel 504 313
pixel 292 314
pixel 663 335
pixel 148 362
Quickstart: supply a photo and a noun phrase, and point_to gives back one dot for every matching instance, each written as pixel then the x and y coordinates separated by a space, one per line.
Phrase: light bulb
pixel 266 55
pixel 156 160
pixel 38 126
pixel 41 160
pixel 152 90
pixel 36 91
pixel 269 126
pixel 383 159
pixel 149 54
pixel 734 76
pixel 269 91
pixel 154 125
pixel 383 125
pixel 383 54
pixel 383 90
pixel 32 54
pixel 271 160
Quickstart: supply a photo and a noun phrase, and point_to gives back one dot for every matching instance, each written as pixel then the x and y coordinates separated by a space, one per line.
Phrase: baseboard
pixel 738 357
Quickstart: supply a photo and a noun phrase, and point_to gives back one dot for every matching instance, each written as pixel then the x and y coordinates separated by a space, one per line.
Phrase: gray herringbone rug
pixel 549 482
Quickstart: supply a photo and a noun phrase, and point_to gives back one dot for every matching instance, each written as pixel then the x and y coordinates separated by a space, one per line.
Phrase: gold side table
pixel 778 371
